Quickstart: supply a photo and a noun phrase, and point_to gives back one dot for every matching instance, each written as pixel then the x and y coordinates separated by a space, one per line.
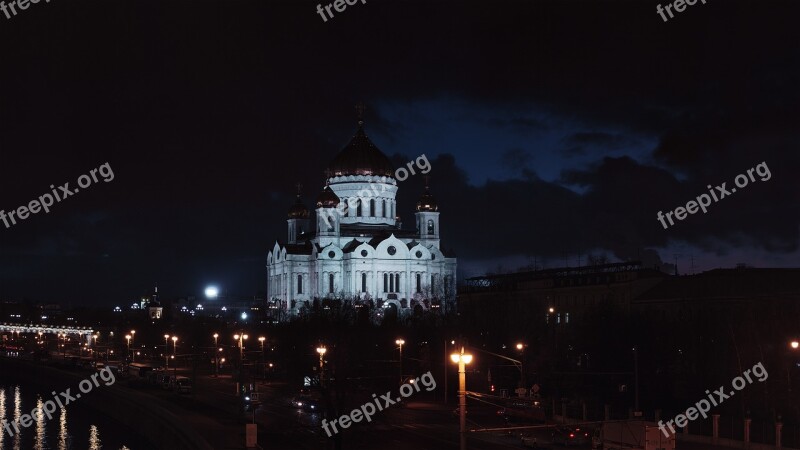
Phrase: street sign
pixel 535 388
pixel 521 391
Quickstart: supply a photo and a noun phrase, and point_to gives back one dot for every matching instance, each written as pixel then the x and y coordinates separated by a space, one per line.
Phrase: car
pixel 311 405
pixel 529 441
pixel 182 385
pixel 567 436
pixel 300 401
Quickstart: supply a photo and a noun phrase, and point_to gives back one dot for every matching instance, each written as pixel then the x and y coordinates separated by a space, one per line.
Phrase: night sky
pixel 554 128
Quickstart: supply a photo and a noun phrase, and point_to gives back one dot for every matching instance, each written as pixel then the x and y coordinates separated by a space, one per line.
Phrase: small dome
pixel 298 210
pixel 327 198
pixel 361 157
pixel 427 202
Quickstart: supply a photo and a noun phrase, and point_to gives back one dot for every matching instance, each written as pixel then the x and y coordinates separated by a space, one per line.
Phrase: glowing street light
pixel 321 350
pixel 795 344
pixel 400 343
pixel 241 338
pixel 462 360
pixel 212 292
pixel 216 356
pixel 128 337
pixel 133 335
pixel 166 350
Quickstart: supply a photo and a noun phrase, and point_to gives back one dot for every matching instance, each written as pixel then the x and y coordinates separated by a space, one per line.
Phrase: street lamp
pixel 240 338
pixel 400 342
pixel 133 341
pixel 166 350
pixel 175 351
pixel 321 351
pixel 521 348
pixel 216 356
pixel 794 345
pixel 128 337
pixel 462 360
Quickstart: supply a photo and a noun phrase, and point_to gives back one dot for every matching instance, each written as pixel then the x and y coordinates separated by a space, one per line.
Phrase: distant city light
pixel 244 316
pixel 212 292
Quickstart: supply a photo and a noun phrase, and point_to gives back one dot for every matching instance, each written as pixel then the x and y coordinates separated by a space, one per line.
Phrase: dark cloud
pixel 211 112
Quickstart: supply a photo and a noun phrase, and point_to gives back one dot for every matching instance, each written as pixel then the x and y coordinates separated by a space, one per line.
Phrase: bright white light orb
pixel 212 292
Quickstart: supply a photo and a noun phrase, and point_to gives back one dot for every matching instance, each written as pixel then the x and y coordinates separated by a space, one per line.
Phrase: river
pixel 71 428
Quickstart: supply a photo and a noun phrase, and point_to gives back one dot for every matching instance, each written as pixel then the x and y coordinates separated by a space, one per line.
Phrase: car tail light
pixel 572 435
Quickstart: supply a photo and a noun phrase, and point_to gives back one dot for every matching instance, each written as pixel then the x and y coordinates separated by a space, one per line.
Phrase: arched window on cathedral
pixel 372 207
pixel 385 212
pixel 419 283
pixel 397 282
pixel 386 282
pixel 299 284
pixel 363 282
pixel 330 283
pixel 358 208
pixel 430 227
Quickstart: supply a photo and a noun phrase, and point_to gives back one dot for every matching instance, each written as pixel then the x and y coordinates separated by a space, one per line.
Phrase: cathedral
pixel 356 252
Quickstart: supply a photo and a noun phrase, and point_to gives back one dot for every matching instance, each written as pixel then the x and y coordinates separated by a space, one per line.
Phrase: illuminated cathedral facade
pixel 352 251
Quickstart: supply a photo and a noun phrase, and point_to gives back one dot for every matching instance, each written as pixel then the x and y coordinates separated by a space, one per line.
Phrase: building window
pixel 358 208
pixel 397 282
pixel 372 207
pixel 385 212
pixel 433 278
pixel 299 284
pixel 330 283
pixel 566 317
pixel 419 283
pixel 391 283
pixel 385 282
pixel 430 227
pixel 363 282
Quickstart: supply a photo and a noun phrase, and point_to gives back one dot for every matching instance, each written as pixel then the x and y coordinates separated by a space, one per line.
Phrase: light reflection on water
pixel 46 434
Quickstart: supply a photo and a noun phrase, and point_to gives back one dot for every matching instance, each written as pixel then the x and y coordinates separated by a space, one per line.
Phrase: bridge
pixel 20 328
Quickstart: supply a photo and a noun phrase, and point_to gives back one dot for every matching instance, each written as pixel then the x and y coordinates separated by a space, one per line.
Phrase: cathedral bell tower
pixel 298 219
pixel 428 218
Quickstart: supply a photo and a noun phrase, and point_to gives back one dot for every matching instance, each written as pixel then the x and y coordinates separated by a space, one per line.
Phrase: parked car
pixel 570 436
pixel 182 385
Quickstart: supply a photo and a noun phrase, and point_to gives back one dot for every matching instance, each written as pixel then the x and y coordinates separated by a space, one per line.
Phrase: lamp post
pixel 794 345
pixel 174 353
pixel 321 351
pixel 462 360
pixel 128 338
pixel 166 350
pixel 400 343
pixel 133 342
pixel 241 338
pixel 216 356
pixel 521 348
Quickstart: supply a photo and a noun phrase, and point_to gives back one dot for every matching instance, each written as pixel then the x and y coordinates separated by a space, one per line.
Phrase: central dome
pixel 360 157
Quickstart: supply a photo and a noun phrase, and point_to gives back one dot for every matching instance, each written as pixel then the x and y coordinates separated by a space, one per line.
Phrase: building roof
pixel 360 157
pixel 726 284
